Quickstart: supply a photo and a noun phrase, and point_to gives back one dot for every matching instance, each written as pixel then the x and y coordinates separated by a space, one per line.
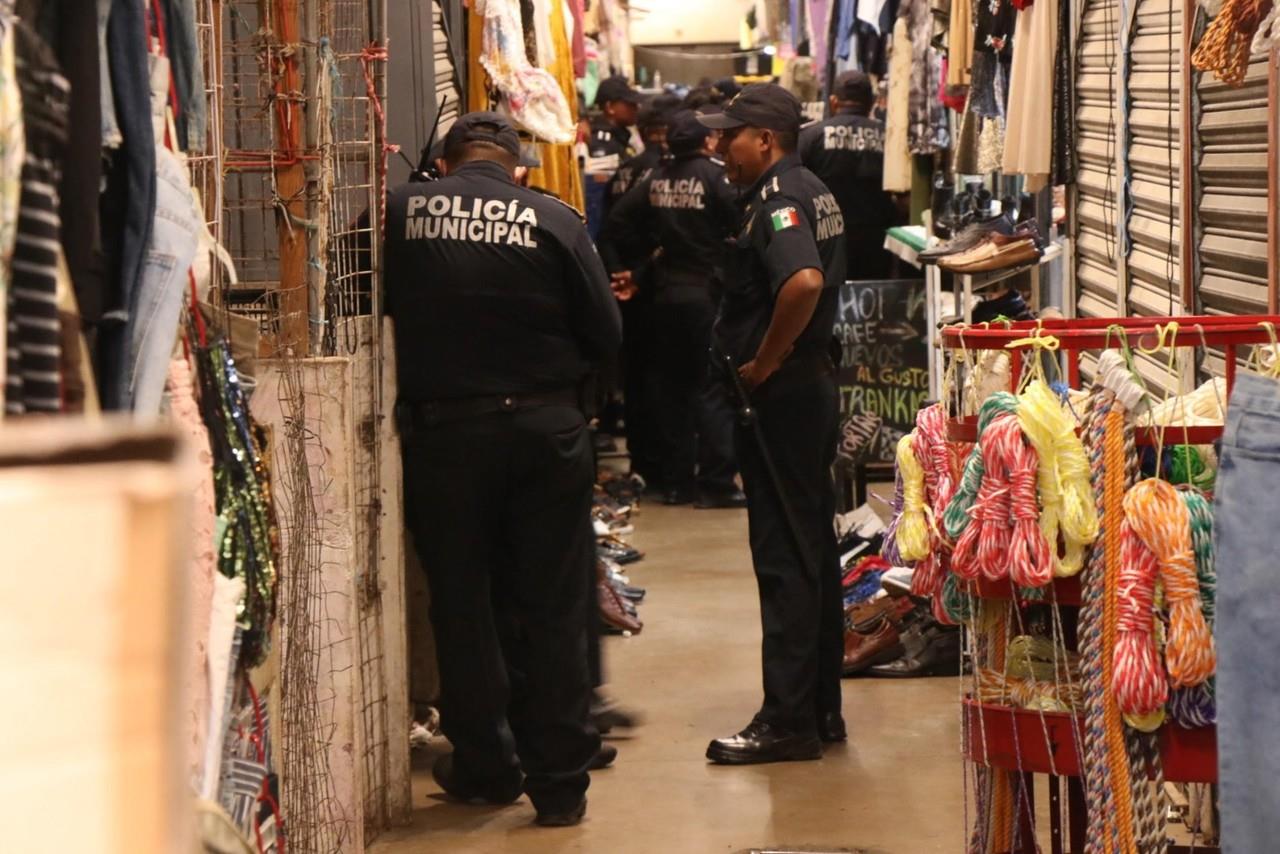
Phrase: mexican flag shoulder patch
pixel 785 218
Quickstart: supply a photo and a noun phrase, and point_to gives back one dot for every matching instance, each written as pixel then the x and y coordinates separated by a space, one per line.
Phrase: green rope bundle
pixel 956 517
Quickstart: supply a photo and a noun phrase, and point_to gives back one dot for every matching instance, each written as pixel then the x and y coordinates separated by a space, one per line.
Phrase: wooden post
pixel 291 187
pixel 1187 168
pixel 1273 177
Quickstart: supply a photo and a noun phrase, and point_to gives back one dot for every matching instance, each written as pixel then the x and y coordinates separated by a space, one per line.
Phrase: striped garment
pixel 33 381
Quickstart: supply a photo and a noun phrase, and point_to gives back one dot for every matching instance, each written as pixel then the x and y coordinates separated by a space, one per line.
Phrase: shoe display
pixel 969 237
pixel 721 500
pixel 613 610
pixel 831 728
pixel 897 581
pixel 456 786
pixel 864 650
pixel 864 616
pixel 568 818
pixel 929 650
pixel 761 742
pixel 605 757
pixel 617 551
pixel 992 254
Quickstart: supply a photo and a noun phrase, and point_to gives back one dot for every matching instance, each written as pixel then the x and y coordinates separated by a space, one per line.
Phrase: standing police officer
pixel 687 209
pixel 846 152
pixel 776 324
pixel 501 306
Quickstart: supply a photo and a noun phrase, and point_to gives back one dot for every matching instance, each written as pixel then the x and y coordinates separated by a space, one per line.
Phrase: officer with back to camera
pixel 846 152
pixel 776 323
pixel 501 306
pixel 686 210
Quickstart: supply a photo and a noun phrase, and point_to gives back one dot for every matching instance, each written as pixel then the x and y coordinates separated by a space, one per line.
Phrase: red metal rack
pixel 1033 742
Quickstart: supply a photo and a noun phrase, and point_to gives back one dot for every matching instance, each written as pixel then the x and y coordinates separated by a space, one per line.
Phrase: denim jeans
pixel 157 301
pixel 188 73
pixel 1248 625
pixel 111 137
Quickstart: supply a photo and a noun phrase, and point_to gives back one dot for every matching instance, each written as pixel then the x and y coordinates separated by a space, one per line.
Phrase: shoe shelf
pixel 1045 743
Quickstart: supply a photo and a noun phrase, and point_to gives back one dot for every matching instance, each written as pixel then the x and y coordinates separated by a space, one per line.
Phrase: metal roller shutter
pixel 1097 120
pixel 1155 116
pixel 1232 233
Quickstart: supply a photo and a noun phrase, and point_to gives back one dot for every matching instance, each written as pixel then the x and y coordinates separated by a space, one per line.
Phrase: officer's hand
pixel 755 372
pixel 624 287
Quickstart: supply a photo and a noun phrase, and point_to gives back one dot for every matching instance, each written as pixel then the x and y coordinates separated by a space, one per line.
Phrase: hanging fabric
pixel 1064 164
pixel 531 96
pixel 897 154
pixel 927 124
pixel 960 44
pixel 1029 127
pixel 559 171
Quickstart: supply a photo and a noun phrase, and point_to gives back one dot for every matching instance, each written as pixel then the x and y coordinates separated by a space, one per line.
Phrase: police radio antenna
pixel 426 170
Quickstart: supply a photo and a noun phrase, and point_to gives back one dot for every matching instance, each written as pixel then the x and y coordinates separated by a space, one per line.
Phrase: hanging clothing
pixel 960 43
pixel 1029 127
pixel 578 41
pixel 531 96
pixel 820 24
pixel 13 153
pixel 927 128
pixel 1064 114
pixel 559 172
pixel 897 154
pixel 192 115
pixel 33 379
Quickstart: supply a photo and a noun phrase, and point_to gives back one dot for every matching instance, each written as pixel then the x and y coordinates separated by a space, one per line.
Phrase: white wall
pixel 686 21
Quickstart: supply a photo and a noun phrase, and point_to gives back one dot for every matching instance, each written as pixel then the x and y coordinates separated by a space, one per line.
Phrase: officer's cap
pixel 727 86
pixel 760 105
pixel 685 132
pixel 482 127
pixel 616 88
pixel 854 87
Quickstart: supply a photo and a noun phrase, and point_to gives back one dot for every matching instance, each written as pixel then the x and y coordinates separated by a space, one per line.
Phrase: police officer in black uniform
pixel 501 305
pixel 611 131
pixel 846 152
pixel 652 124
pixel 686 209
pixel 776 323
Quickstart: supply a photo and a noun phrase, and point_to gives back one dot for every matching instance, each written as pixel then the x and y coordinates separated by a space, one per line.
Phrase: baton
pixel 749 418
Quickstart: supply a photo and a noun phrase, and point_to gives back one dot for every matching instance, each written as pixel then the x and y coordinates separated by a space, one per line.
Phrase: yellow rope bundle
pixel 1160 519
pixel 913 529
pixel 1066 497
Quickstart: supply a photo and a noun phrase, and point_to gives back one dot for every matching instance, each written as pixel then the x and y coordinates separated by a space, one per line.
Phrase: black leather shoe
pixel 604 758
pixel 676 497
pixel 831 728
pixel 761 742
pixel 563 819
pixel 471 792
pixel 608 715
pixel 721 500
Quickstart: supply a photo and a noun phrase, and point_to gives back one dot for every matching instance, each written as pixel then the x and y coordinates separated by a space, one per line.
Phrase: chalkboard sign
pixel 884 367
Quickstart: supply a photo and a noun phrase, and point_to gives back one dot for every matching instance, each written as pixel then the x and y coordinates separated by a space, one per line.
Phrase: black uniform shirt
pixel 846 152
pixel 686 206
pixel 633 171
pixel 607 139
pixel 792 222
pixel 493 288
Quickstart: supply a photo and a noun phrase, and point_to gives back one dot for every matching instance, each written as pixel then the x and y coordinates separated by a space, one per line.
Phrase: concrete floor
pixel 895 787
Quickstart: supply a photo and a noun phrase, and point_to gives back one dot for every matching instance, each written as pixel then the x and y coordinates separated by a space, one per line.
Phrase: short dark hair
pixel 787 139
pixel 480 150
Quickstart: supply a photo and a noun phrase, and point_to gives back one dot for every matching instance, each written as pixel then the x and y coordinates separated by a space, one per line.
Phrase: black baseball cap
pixel 853 86
pixel 727 86
pixel 616 88
pixel 685 132
pixel 482 127
pixel 760 105
pixel 651 117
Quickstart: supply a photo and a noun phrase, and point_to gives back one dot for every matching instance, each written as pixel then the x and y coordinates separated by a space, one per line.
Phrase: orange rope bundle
pixel 1225 47
pixel 1030 558
pixel 1136 675
pixel 1160 518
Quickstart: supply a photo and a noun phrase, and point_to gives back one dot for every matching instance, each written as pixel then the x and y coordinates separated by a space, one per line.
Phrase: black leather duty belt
pixel 433 412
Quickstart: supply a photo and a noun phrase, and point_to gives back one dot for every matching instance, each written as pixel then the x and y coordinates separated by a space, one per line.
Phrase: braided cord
pixel 1138 680
pixel 1194 706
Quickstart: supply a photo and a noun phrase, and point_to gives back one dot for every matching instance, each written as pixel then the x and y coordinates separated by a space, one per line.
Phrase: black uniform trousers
pixel 637 387
pixel 800 602
pixel 694 415
pixel 500 509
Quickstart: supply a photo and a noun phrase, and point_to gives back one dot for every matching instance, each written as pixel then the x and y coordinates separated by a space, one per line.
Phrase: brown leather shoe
pixel 1010 255
pixel 864 650
pixel 864 616
pixel 612 612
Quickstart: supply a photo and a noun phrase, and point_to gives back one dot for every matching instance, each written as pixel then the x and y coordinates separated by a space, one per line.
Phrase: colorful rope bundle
pixel 1160 518
pixel 913 529
pixel 933 452
pixel 957 515
pixel 889 550
pixel 1224 48
pixel 1137 679
pixel 1030 558
pixel 982 548
pixel 1065 493
pixel 1025 693
pixel 1194 706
